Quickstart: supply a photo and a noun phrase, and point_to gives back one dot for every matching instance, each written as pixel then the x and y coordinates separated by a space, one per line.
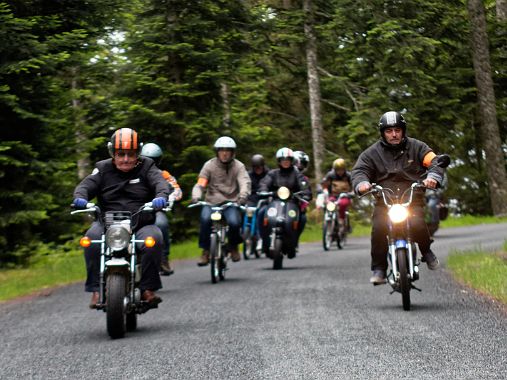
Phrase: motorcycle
pixel 402 255
pixel 120 268
pixel 334 229
pixel 282 220
pixel 218 240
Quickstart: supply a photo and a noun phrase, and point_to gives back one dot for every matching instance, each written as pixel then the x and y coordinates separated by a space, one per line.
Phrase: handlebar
pixel 217 207
pixel 388 194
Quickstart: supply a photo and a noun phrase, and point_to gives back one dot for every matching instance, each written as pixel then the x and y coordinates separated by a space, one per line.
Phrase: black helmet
pixel 392 119
pixel 257 160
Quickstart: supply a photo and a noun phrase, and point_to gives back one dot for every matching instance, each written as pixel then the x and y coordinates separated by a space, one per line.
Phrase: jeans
pixel 233 218
pixel 162 222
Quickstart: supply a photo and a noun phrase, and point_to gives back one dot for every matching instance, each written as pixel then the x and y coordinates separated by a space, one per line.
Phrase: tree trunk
pixel 314 90
pixel 501 10
pixel 495 160
pixel 226 118
pixel 83 161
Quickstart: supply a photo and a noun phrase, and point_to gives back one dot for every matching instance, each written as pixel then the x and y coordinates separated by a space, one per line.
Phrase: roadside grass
pixel 67 265
pixel 484 271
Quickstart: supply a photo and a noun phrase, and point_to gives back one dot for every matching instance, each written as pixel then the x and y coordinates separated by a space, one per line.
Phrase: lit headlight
pixel 331 206
pixel 216 216
pixel 283 193
pixel 398 213
pixel 117 238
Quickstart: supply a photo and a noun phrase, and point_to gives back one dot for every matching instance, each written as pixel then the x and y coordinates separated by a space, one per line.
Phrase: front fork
pixel 412 267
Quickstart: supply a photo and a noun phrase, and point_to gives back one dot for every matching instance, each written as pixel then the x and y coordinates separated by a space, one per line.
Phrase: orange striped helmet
pixel 124 139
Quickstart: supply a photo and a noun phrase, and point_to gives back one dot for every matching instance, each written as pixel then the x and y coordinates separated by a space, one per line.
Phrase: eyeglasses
pixel 123 153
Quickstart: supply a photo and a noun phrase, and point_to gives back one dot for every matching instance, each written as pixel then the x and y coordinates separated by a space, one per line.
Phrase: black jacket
pixel 124 191
pixel 395 168
pixel 291 178
pixel 253 198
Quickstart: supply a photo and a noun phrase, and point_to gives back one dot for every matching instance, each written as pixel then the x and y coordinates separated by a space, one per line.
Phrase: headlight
pixel 331 206
pixel 250 211
pixel 117 238
pixel 283 193
pixel 398 213
pixel 216 216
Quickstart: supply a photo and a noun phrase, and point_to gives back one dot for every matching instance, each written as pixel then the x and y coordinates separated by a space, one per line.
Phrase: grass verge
pixel 484 271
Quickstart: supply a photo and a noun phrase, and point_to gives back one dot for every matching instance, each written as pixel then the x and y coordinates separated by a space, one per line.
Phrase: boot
pixel 235 256
pixel 150 297
pixel 204 258
pixel 94 300
pixel 165 268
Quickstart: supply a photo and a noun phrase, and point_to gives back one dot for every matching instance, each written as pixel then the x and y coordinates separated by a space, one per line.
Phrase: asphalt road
pixel 318 318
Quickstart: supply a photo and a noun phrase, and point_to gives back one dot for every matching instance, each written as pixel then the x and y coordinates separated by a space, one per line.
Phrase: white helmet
pixel 285 153
pixel 225 142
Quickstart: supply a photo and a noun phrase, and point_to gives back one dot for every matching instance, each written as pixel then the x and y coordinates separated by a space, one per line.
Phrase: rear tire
pixel 213 253
pixel 401 257
pixel 277 255
pixel 116 291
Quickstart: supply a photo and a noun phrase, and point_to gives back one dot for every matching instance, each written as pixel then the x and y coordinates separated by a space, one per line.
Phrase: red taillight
pixel 85 242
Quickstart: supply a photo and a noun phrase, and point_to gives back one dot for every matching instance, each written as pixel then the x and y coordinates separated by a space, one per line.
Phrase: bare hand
pixel 365 187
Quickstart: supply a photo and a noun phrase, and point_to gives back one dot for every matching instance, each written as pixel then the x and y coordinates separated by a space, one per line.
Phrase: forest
pixel 313 75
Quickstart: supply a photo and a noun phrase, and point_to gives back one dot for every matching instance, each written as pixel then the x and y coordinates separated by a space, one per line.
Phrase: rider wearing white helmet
pixel 222 179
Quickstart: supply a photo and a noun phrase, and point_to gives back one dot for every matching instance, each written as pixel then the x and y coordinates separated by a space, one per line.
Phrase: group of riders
pixel 133 177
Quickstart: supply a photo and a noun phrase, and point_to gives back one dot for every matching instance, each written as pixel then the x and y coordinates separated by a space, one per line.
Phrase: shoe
pixel 235 256
pixel 431 260
pixel 166 269
pixel 379 277
pixel 204 258
pixel 94 301
pixel 150 297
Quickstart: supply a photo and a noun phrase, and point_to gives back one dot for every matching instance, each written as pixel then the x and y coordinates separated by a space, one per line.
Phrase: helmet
pixel 392 119
pixel 257 160
pixel 339 163
pixel 123 139
pixel 224 142
pixel 302 159
pixel 152 151
pixel 285 153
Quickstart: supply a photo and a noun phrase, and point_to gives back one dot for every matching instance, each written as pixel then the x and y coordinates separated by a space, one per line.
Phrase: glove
pixel 242 201
pixel 80 203
pixel 158 203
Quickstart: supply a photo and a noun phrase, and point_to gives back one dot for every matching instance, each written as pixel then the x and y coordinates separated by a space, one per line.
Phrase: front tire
pixel 247 244
pixel 116 291
pixel 401 257
pixel 213 253
pixel 277 255
pixel 327 234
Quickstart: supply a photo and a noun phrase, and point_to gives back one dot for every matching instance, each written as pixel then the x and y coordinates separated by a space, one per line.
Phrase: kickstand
pixel 414 287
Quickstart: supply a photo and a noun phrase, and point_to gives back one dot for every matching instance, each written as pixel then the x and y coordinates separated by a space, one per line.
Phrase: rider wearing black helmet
pixel 396 161
pixel 257 173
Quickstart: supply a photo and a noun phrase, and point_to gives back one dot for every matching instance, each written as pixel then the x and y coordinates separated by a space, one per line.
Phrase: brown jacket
pixel 222 182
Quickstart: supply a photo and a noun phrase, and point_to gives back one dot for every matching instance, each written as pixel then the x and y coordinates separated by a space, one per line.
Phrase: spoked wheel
pixel 327 235
pixel 401 256
pixel 247 244
pixel 342 237
pixel 277 255
pixel 116 292
pixel 222 263
pixel 213 253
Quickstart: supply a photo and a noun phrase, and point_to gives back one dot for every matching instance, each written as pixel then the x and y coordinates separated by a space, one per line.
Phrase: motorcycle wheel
pixel 401 257
pixel 255 251
pixel 342 238
pixel 327 235
pixel 247 244
pixel 116 290
pixel 131 321
pixel 213 253
pixel 277 255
